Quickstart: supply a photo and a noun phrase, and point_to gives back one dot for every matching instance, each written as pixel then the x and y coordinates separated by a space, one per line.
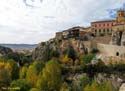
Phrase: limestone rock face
pixel 118 38
pixel 123 39
pixel 122 88
pixel 41 52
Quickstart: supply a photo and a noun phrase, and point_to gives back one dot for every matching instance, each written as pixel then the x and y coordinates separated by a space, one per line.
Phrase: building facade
pixel 75 32
pixel 102 27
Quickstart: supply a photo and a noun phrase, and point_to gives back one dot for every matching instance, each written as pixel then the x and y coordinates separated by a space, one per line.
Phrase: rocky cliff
pixel 42 51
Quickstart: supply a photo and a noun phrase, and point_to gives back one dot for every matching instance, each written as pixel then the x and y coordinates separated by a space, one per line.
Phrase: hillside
pixel 20 46
pixel 4 50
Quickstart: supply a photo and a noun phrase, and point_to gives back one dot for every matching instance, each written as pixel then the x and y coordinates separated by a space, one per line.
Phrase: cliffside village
pixel 107 36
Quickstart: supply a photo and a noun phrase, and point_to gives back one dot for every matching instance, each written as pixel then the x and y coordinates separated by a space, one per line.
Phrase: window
pixel 95 25
pixel 104 30
pixel 95 31
pixel 107 30
pixel 99 30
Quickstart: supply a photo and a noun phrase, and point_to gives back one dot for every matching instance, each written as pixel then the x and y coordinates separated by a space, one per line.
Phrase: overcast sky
pixel 33 21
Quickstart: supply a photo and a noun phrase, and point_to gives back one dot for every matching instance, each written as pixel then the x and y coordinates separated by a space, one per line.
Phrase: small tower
pixel 120 19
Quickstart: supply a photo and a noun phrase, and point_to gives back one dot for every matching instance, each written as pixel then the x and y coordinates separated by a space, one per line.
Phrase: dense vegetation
pixel 58 73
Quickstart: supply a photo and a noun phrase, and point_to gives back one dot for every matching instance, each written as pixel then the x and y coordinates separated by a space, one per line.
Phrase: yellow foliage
pixel 23 72
pixel 66 60
pixel 6 66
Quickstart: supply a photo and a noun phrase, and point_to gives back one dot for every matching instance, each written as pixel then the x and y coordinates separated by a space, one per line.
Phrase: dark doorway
pixel 117 54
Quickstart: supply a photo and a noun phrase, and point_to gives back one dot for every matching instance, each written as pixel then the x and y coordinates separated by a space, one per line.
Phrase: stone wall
pixel 111 50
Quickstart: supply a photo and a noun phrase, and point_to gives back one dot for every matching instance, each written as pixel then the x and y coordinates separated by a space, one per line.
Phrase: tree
pixel 12 55
pixel 33 72
pixel 8 71
pixel 23 84
pixel 34 89
pixel 71 52
pixel 84 81
pixel 50 78
pixel 88 58
pixel 14 69
pixel 92 87
pixel 23 72
pixel 25 58
pixel 108 86
pixel 5 78
pixel 67 60
pixel 53 53
pixel 65 87
pixel 21 58
pixel 77 62
pixel 103 86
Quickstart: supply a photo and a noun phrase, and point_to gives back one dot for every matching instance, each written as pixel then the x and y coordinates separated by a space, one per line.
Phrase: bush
pixel 23 84
pixel 54 53
pixel 34 89
pixel 103 86
pixel 84 81
pixel 88 58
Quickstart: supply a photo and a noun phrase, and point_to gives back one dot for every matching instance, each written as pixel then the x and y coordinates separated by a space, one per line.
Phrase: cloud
pixel 32 3
pixel 33 21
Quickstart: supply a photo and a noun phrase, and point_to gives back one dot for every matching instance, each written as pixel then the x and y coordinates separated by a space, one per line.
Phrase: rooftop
pixel 103 21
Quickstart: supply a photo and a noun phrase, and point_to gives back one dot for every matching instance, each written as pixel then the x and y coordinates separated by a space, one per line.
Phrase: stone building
pixel 85 33
pixel 117 43
pixel 118 34
pixel 58 35
pixel 75 32
pixel 102 27
pixel 82 33
pixel 72 32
